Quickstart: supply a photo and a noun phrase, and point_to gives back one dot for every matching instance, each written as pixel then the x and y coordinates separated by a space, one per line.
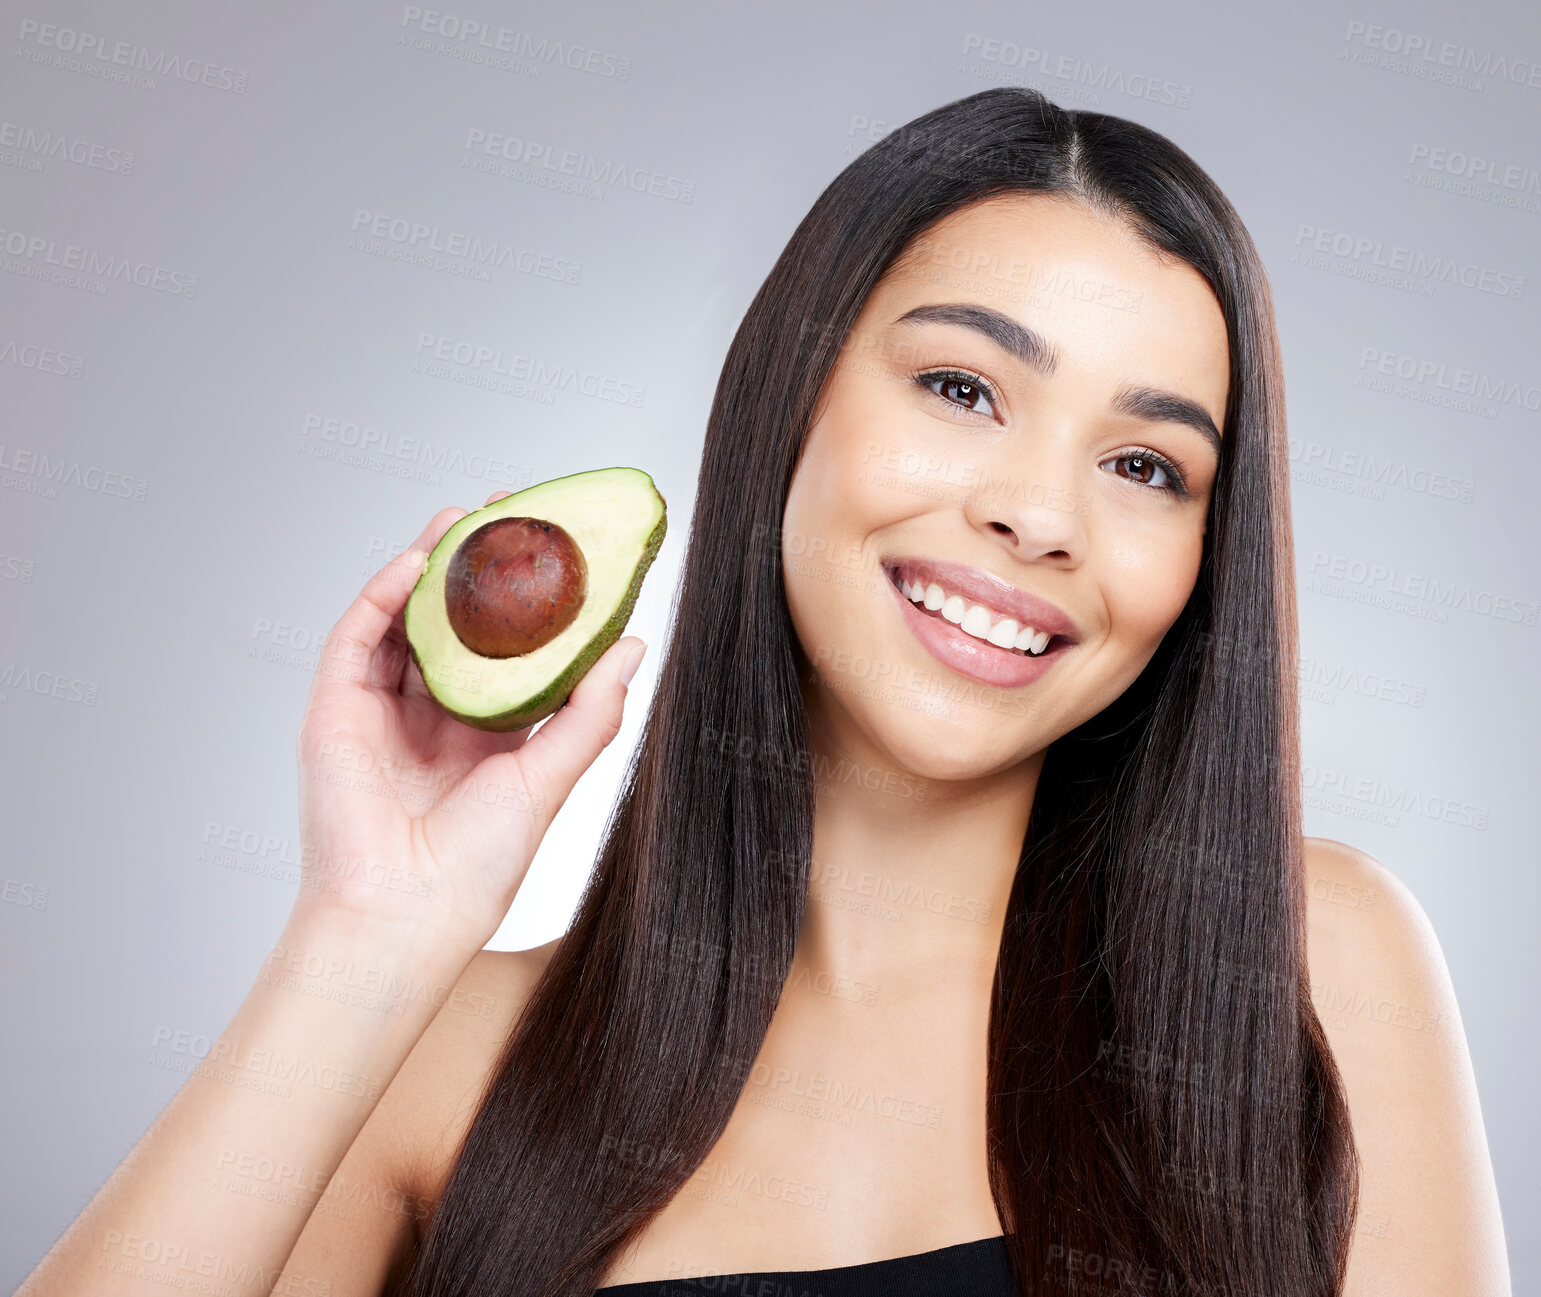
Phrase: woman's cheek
pixel 1148 581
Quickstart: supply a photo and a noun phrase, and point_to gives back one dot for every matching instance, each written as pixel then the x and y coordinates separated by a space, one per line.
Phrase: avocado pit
pixel 514 584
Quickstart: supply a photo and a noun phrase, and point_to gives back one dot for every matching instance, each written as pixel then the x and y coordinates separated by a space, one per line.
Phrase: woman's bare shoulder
pixel 1429 1219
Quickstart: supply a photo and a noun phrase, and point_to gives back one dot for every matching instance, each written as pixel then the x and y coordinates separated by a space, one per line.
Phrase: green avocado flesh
pixel 616 517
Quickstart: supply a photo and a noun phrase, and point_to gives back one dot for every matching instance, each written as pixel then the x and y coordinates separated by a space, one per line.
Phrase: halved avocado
pixel 542 581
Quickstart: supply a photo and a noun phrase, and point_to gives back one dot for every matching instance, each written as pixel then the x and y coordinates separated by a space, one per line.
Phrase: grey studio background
pixel 246 353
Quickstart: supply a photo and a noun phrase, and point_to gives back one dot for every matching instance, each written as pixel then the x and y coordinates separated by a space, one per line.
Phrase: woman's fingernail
pixel 632 663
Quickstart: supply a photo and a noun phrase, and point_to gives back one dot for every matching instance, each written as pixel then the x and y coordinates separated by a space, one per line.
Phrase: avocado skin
pixel 546 700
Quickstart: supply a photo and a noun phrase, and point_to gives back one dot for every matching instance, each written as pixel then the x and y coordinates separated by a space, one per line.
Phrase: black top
pixel 977 1269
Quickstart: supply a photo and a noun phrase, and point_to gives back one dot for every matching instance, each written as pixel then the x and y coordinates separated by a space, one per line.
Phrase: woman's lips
pixel 979 586
pixel 975 658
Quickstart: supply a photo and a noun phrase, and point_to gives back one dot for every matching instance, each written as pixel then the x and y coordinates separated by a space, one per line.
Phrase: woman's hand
pixel 408 815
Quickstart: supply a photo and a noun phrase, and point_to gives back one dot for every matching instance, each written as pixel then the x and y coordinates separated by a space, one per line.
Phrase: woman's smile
pixel 978 624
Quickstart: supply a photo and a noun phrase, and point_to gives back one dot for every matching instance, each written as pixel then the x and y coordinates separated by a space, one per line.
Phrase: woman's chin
pixel 956 744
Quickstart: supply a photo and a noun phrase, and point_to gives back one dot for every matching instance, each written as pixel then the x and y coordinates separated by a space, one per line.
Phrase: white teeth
pixel 977 620
pixel 1003 634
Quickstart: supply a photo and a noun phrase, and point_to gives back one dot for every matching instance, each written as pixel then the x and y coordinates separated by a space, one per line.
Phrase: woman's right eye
pixel 957 387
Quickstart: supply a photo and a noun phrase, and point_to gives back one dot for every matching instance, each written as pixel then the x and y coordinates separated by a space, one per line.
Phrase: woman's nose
pixel 1040 509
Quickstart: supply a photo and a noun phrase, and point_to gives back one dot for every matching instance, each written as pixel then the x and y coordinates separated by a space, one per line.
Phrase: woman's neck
pixel 909 874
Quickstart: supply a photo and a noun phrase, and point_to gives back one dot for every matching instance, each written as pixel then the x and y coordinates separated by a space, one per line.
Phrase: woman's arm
pixel 364 1232
pixel 221 1185
pixel 1429 1223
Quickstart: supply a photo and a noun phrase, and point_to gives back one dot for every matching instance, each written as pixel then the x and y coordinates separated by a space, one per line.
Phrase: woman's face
pixel 1023 425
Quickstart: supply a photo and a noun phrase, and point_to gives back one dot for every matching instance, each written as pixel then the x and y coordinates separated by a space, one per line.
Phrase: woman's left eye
pixel 964 390
pixel 1148 469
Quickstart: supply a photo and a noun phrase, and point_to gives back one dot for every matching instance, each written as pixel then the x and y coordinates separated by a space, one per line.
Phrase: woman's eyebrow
pixel 1156 406
pixel 1038 353
pixel 1027 345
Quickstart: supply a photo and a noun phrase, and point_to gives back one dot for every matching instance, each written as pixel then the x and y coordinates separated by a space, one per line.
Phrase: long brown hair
pixel 1163 1112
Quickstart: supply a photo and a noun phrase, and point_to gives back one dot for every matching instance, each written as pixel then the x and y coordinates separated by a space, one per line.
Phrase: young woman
pixel 954 930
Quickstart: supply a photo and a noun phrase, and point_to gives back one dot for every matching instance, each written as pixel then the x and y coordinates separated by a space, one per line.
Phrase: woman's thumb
pixel 567 744
pixel 633 658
